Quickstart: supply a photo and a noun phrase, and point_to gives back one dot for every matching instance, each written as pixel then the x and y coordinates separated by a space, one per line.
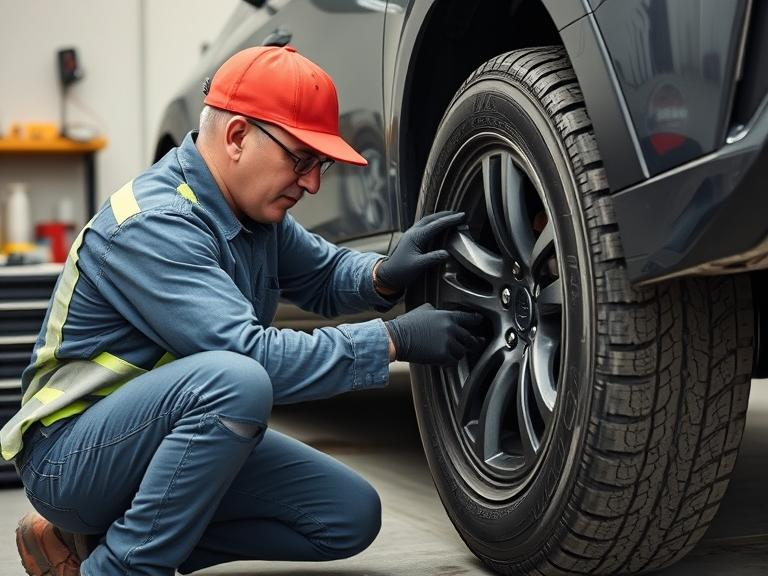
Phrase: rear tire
pixel 620 464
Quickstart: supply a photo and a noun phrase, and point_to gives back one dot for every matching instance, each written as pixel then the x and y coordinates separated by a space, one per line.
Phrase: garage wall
pixel 176 32
pixel 135 54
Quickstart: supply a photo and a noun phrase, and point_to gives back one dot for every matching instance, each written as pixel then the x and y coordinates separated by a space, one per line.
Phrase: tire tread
pixel 672 375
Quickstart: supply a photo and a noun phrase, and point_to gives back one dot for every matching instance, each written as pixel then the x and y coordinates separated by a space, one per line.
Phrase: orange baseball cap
pixel 278 85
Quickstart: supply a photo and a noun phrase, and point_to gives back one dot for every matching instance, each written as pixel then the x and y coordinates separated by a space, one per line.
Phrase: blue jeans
pixel 177 470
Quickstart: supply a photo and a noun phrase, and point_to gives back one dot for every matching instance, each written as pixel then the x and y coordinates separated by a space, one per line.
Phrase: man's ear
pixel 234 133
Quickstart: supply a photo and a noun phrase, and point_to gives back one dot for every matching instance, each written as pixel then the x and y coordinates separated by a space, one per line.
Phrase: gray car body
pixel 678 127
pixel 697 69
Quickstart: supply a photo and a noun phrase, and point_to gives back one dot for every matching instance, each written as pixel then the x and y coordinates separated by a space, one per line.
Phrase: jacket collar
pixel 210 197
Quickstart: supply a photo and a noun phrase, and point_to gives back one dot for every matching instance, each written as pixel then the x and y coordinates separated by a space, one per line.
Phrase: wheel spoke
pixel 452 291
pixel 544 246
pixel 479 374
pixel 550 300
pixel 474 258
pixel 525 425
pixel 493 203
pixel 494 406
pixel 518 224
pixel 542 365
pixel 493 191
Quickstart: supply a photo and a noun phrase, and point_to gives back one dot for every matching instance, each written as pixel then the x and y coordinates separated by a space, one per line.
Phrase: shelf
pixel 12 401
pixel 50 146
pixel 22 305
pixel 47 269
pixel 61 147
pixel 9 340
pixel 10 384
pixel 10 395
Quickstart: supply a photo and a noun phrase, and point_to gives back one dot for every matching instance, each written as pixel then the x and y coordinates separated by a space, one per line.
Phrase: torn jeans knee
pixel 242 428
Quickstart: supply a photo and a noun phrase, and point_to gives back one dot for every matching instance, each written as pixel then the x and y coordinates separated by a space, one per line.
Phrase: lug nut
pixel 532 332
pixel 511 338
pixel 506 297
pixel 517 271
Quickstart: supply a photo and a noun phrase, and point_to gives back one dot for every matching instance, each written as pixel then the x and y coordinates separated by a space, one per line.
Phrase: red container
pixel 59 235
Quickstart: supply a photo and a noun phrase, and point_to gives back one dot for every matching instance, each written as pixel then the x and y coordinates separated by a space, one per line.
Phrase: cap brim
pixel 329 145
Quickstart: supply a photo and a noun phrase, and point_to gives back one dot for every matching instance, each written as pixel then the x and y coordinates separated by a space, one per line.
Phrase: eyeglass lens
pixel 307 164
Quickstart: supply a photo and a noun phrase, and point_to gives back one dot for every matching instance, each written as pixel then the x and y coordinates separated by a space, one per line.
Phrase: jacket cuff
pixel 368 290
pixel 370 346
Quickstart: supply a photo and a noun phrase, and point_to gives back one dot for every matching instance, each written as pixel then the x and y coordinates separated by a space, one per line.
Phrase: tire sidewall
pixel 515 529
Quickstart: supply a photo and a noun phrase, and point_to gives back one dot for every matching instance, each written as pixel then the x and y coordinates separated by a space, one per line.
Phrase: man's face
pixel 263 185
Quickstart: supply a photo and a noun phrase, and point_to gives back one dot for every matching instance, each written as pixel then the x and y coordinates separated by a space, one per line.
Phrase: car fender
pixel 405 22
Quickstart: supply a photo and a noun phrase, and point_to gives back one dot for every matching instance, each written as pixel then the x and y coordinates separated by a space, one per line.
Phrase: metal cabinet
pixel 24 295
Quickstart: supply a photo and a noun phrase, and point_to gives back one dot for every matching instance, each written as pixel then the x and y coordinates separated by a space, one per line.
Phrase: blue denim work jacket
pixel 165 269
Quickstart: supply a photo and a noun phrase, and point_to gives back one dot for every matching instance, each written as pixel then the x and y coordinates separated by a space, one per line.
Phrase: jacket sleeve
pixel 323 278
pixel 161 271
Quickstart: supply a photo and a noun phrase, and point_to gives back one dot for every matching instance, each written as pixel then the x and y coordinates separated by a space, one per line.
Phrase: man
pixel 145 410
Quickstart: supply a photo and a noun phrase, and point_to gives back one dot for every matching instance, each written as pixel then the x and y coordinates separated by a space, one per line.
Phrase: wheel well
pixel 165 143
pixel 457 37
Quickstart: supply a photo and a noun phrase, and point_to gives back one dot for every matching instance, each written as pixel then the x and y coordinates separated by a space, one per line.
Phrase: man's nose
pixel 310 181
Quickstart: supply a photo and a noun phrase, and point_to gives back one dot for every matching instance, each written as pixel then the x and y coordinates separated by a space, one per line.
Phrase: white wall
pixel 135 54
pixel 175 32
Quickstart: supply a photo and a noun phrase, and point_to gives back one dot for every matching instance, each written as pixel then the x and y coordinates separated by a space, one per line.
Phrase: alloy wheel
pixel 502 399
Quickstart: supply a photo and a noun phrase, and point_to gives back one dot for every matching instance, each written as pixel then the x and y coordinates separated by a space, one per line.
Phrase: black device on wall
pixel 69 67
pixel 69 73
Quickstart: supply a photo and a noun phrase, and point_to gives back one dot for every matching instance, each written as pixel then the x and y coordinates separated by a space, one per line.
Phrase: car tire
pixel 597 429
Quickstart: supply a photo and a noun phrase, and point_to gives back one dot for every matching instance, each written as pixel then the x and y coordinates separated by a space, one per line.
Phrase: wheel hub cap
pixel 523 310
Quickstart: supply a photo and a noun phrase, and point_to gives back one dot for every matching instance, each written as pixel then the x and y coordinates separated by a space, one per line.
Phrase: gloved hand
pixel 426 335
pixel 410 258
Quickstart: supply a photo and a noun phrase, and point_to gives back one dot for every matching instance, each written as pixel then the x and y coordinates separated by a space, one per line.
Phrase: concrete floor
pixel 375 433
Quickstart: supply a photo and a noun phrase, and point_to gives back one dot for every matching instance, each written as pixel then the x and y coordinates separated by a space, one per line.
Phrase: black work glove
pixel 426 335
pixel 410 258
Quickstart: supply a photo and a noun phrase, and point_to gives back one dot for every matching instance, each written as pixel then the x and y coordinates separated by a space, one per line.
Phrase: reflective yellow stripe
pixel 164 359
pixel 107 390
pixel 117 365
pixel 82 377
pixel 76 407
pixel 186 191
pixel 9 454
pixel 120 366
pixel 105 359
pixel 124 203
pixel 43 369
pixel 48 395
pixel 45 361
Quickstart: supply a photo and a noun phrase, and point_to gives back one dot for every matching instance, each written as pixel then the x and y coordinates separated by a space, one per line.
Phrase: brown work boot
pixel 48 551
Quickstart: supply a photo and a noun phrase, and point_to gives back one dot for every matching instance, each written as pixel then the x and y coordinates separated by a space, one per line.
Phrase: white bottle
pixel 18 225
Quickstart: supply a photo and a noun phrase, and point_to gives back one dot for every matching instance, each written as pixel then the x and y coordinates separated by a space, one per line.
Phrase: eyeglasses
pixel 302 165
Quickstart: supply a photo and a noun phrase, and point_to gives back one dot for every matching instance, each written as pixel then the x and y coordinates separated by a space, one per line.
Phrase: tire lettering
pixel 551 478
pixel 484 102
pixel 572 266
pixel 571 398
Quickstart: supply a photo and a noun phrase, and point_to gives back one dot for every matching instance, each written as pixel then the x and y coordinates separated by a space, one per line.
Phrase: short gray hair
pixel 212 119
